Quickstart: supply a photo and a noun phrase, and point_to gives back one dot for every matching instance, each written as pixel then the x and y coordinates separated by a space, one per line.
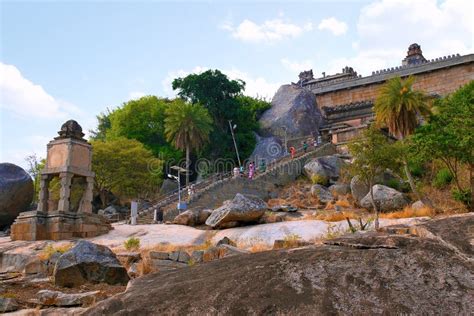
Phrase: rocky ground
pixel 426 269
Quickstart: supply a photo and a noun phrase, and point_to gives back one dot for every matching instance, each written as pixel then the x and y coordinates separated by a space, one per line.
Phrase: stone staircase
pixel 212 192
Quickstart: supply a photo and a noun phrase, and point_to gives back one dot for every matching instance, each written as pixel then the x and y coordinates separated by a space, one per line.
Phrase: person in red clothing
pixel 292 152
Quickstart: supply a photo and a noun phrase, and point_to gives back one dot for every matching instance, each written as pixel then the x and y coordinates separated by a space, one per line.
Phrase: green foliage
pixel 463 196
pixel 449 135
pixel 35 165
pixel 442 178
pixel 393 183
pixel 416 168
pixel 144 120
pixel 50 250
pixel 398 106
pixel 224 100
pixel 125 167
pixel 373 154
pixel 103 125
pixel 187 124
pixel 132 244
pixel 319 179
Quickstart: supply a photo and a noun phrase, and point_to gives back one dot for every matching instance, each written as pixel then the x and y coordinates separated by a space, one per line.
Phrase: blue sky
pixel 62 60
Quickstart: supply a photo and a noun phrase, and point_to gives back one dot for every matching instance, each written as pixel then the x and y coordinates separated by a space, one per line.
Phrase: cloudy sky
pixel 63 60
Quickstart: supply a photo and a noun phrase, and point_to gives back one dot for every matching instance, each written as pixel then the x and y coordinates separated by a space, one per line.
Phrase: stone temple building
pixel 346 99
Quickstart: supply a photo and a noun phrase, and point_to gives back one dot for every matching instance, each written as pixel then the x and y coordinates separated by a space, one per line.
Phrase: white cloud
pixel 297 66
pixel 333 25
pixel 254 86
pixel 269 31
pixel 440 27
pixel 26 99
pixel 134 95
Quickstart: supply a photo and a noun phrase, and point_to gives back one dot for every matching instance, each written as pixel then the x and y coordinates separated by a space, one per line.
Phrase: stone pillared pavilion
pixel 69 158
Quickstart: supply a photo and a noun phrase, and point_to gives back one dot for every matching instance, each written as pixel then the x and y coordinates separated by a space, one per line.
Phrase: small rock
pixel 127 258
pixel 167 265
pixel 160 255
pixel 226 241
pixel 284 208
pixel 35 266
pixel 418 205
pixel 197 256
pixel 328 167
pixel 8 305
pixel 323 194
pixel 340 189
pixel 133 270
pixel 184 257
pixel 229 250
pixel 56 298
pixel 174 255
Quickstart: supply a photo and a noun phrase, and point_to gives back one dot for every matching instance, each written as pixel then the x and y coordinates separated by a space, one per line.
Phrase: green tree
pixel 449 135
pixel 224 100
pixel 373 154
pixel 125 167
pixel 143 120
pixel 399 107
pixel 187 126
pixel 103 125
pixel 35 165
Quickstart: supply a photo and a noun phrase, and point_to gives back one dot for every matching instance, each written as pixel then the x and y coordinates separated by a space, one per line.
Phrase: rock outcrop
pixel 16 192
pixel 87 262
pixel 359 189
pixel 361 274
pixel 240 209
pixel 387 199
pixel 328 167
pixel 192 217
pixel 294 108
pixel 268 148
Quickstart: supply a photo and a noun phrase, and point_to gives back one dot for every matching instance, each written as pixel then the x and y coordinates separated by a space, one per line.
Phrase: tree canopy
pixel 125 167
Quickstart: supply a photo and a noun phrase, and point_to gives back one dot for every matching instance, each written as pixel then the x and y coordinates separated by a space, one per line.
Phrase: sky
pixel 63 60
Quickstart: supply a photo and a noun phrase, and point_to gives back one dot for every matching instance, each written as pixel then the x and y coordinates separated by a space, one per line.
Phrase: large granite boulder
pixel 87 262
pixel 240 209
pixel 268 148
pixel 359 189
pixel 359 274
pixel 328 167
pixel 294 108
pixel 387 199
pixel 192 217
pixel 16 192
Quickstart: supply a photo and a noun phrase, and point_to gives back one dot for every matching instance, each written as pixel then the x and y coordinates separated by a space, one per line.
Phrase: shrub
pixel 408 212
pixel 442 178
pixel 416 169
pixel 132 243
pixel 291 240
pixel 394 184
pixel 319 179
pixel 463 196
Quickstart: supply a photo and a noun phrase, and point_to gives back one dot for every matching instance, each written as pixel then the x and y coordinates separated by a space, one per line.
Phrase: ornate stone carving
pixel 305 76
pixel 414 55
pixel 71 129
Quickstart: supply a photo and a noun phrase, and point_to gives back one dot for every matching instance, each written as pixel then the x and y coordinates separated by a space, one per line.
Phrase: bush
pixel 394 184
pixel 132 243
pixel 50 250
pixel 416 169
pixel 463 196
pixel 442 178
pixel 318 179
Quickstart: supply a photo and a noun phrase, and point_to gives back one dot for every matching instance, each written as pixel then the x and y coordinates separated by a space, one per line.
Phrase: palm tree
pixel 187 126
pixel 399 107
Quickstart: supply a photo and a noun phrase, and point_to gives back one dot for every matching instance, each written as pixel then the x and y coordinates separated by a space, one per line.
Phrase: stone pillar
pixel 65 191
pixel 86 206
pixel 44 193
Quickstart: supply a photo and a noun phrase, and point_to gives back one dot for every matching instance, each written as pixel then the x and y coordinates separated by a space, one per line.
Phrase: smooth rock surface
pixel 239 209
pixel 87 262
pixel 16 192
pixel 192 217
pixel 296 109
pixel 387 199
pixel 361 274
pixel 340 189
pixel 268 148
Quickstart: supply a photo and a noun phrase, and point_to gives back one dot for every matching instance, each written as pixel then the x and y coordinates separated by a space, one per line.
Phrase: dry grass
pixel 335 216
pixel 50 250
pixel 259 247
pixel 444 202
pixel 408 212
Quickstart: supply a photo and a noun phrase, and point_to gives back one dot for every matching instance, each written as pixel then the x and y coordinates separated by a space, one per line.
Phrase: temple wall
pixel 442 82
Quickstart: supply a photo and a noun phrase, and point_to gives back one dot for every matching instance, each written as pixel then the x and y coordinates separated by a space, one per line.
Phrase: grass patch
pixel 408 212
pixel 335 217
pixel 132 244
